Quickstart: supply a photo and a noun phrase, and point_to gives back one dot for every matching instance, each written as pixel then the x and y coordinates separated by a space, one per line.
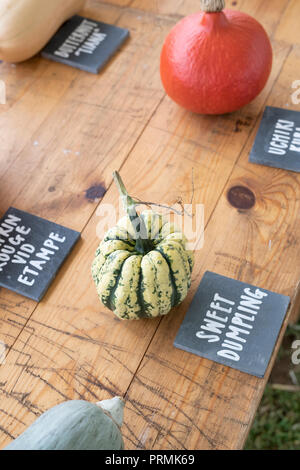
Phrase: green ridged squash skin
pixel 147 285
pixel 72 425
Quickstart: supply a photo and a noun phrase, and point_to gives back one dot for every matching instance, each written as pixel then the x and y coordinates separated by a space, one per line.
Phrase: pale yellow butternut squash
pixel 27 25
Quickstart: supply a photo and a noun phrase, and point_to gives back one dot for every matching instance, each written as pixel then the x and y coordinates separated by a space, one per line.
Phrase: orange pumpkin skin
pixel 216 63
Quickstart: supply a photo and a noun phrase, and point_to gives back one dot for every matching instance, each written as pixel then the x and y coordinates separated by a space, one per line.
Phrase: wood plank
pixel 79 128
pixel 72 347
pixel 91 104
pixel 28 104
pixel 34 88
pixel 180 401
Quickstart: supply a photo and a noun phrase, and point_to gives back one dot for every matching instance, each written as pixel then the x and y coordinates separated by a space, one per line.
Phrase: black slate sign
pixel 32 250
pixel 233 323
pixel 85 44
pixel 277 143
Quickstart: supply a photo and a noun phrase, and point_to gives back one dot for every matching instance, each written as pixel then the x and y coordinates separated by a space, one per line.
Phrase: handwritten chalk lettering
pixel 232 345
pixel 213 326
pixel 9 225
pixel 213 318
pixel 258 294
pixel 235 332
pixel 57 238
pixel 24 280
pixel 12 220
pixel 92 43
pixel 76 39
pixel 244 317
pixel 4 257
pixel 229 355
pixel 8 250
pixel 295 145
pixel 285 125
pixel 242 342
pixel 23 254
pixel 50 246
pixel 250 303
pixel 239 331
pixel 230 352
pixel 16 241
pixel 276 151
pixel 296 95
pixel 85 38
pixel 217 298
pixel 6 229
pixel 235 335
pixel 8 240
pixel 32 250
pixel 238 321
pixel 281 137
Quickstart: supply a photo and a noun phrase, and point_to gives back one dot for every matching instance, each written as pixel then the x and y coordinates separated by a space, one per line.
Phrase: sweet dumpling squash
pixel 142 276
pixel 27 25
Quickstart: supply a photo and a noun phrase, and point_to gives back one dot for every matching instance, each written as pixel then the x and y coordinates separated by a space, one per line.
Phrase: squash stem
pixel 212 6
pixel 143 244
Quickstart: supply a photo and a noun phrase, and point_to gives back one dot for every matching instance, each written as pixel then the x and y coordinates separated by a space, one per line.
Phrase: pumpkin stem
pixel 212 6
pixel 114 407
pixel 143 244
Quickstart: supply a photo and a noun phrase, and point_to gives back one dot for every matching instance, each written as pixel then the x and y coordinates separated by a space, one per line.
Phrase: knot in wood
pixel 241 197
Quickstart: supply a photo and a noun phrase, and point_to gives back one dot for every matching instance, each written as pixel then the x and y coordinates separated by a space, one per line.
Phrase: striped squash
pixel 142 268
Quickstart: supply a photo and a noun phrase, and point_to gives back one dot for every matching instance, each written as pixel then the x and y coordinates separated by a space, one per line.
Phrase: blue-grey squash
pixel 75 425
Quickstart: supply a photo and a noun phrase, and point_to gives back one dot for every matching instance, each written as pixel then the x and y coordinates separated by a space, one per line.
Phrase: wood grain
pixel 80 128
pixel 69 346
pixel 212 406
pixel 288 28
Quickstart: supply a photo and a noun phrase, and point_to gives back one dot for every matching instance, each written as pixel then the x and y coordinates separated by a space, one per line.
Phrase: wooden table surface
pixel 63 132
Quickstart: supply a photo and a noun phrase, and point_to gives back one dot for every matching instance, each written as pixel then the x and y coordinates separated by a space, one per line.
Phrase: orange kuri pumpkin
pixel 215 61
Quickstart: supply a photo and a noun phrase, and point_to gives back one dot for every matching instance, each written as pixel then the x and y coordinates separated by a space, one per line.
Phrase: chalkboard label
pixel 233 323
pixel 31 252
pixel 85 44
pixel 277 143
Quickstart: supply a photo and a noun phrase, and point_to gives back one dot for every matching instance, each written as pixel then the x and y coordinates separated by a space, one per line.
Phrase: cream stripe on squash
pixel 156 288
pixel 173 255
pixel 109 274
pixel 153 222
pixel 118 233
